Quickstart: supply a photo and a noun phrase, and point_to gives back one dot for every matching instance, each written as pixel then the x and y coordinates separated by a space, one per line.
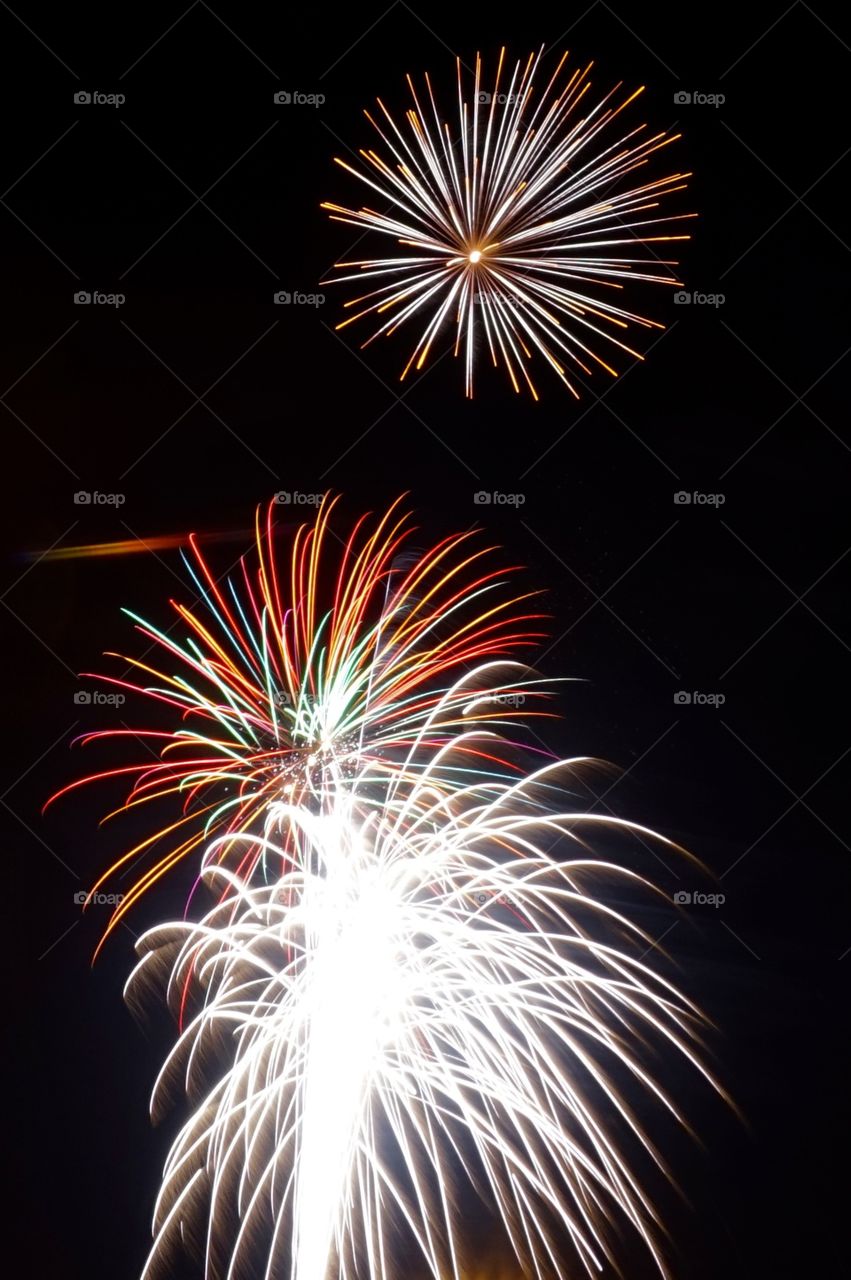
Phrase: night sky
pixel 197 199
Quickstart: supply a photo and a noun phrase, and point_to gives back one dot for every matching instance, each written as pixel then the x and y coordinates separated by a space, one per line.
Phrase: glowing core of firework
pixel 352 1007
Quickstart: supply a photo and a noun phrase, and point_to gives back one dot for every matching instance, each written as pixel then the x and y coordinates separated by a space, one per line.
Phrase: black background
pixel 647 597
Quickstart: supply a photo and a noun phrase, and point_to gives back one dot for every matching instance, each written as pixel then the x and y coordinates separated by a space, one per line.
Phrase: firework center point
pixel 475 255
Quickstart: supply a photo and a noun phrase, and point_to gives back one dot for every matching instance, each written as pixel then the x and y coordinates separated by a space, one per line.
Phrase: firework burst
pixel 439 994
pixel 414 977
pixel 311 671
pixel 521 222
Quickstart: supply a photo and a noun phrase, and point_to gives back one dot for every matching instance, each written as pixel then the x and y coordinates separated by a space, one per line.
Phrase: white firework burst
pixel 432 993
pixel 523 221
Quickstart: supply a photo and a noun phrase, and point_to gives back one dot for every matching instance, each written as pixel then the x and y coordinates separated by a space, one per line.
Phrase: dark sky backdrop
pixel 198 199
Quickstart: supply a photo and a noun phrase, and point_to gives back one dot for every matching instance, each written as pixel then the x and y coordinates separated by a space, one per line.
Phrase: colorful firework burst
pixel 521 222
pixel 410 981
pixel 290 678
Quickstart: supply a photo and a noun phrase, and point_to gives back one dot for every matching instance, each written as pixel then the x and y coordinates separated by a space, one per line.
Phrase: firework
pixel 520 222
pixel 413 978
pixel 295 675
pixel 425 998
